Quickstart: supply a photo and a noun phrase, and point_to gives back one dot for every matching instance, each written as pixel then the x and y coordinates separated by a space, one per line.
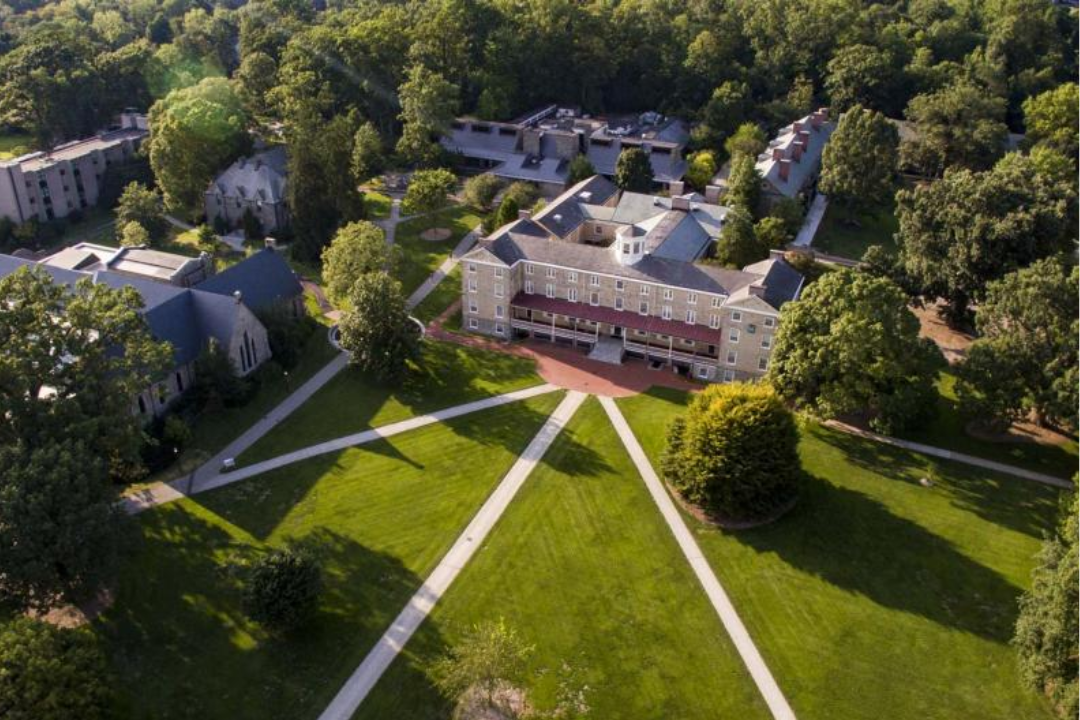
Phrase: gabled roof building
pixel 622 273
pixel 790 165
pixel 253 184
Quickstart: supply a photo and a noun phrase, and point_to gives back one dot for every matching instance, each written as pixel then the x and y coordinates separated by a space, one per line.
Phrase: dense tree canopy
pixel 1050 118
pixel 357 248
pixel 140 204
pixel 959 126
pixel 633 171
pixel 858 166
pixel 377 330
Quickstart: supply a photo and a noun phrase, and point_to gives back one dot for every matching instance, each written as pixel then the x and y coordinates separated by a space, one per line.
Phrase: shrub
pixel 525 194
pixel 175 433
pixel 287 335
pixel 51 674
pixel 428 191
pixel 482 189
pixel 282 589
pixel 734 452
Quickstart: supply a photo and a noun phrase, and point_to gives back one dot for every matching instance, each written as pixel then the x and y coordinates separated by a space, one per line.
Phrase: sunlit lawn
pixel 583 567
pixel 878 597
pixel 421 257
pixel 376 205
pixel 445 375
pixel 379 517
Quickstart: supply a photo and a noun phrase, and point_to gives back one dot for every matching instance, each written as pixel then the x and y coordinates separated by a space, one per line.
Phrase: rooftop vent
pixel 585 196
pixel 557 217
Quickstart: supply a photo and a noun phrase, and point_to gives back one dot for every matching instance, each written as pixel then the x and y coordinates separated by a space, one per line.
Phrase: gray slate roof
pixel 262 280
pixel 563 215
pixel 799 172
pixel 259 177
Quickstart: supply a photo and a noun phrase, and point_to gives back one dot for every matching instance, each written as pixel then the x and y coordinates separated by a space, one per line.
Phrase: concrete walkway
pixel 363 679
pixel 764 680
pixel 955 456
pixel 389 225
pixel 809 228
pixel 445 268
pixel 203 481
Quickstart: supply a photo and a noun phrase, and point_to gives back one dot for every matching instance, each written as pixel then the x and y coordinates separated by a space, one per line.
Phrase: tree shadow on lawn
pixel 1024 506
pixel 183 647
pixel 854 542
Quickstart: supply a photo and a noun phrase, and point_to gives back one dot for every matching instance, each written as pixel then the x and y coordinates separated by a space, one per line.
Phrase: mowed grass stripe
pixel 379 517
pixel 584 568
pixel 877 596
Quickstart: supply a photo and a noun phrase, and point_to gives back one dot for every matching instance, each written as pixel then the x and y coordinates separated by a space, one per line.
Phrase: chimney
pixel 804 135
pixel 712 194
pixel 785 169
pixel 238 295
pixel 796 127
pixel 524 214
pixel 756 288
pixel 816 119
pixel 797 148
pixel 823 112
pixel 778 153
pixel 680 203
pixel 676 187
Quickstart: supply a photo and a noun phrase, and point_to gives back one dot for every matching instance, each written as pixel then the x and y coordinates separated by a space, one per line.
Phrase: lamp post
pixel 287 386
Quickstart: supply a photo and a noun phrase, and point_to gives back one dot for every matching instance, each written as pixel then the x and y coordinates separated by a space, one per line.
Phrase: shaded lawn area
pixel 379 517
pixel 14 144
pixel 835 236
pixel 947 430
pixel 876 596
pixel 446 375
pixel 376 205
pixel 583 567
pixel 420 257
pixel 444 294
pixel 215 429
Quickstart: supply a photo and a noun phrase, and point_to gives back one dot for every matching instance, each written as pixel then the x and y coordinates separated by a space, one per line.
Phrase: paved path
pixel 389 225
pixel 445 269
pixel 951 455
pixel 363 679
pixel 203 481
pixel 764 680
pixel 809 228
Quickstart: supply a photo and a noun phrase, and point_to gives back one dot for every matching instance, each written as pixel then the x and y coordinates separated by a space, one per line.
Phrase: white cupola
pixel 629 244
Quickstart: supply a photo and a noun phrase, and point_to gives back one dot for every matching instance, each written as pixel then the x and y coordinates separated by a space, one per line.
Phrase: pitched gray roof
pixel 799 171
pixel 259 177
pixel 262 280
pixel 563 215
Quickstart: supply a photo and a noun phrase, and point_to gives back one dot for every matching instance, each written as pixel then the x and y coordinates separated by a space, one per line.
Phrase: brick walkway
pixel 568 367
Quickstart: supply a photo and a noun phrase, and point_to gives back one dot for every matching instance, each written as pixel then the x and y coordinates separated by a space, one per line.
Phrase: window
pixel 643 308
pixel 770 322
pixel 594 298
pixel 766 341
pixel 703 372
pixel 736 316
pixel 499 329
pixel 763 363
pixel 691 316
pixel 729 376
pixel 498 289
pixel 472 285
pixel 162 393
pixel 618 303
pixel 179 382
pixel 717 302
pixel 691 298
pixel 474 323
pixel 142 405
pixel 664 337
pixel 549 290
pixel 571 277
pixel 597 230
pixel 528 287
pixel 620 286
pixel 473 307
pixel 626 248
pixel 528 269
pixel 669 294
pixel 637 248
pixel 751 328
pixel 714 321
pixel 498 272
pixel 551 272
pixel 571 294
pixel 733 335
pixel 665 312
pixel 644 290
pixel 732 357
pixel 640 333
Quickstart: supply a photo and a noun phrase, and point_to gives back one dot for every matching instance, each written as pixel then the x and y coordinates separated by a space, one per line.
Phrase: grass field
pixel 14 144
pixel 947 430
pixel 850 240
pixel 878 597
pixel 377 205
pixel 446 375
pixel 583 567
pixel 420 257
pixel 444 294
pixel 379 518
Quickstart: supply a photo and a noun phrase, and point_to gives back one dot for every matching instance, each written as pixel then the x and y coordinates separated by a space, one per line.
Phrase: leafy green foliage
pixel 357 249
pixel 739 245
pixel 428 191
pixel 1025 358
pixel 858 166
pixel 133 234
pixel 850 344
pixel 701 169
pixel 428 104
pixel 866 76
pixel 480 190
pixel 282 589
pixel 1047 629
pixel 734 453
pixel 579 169
pixel 52 674
pixel 748 139
pixel 960 125
pixel 1050 118
pixel 479 670
pixel 368 157
pixel 507 213
pixel 216 381
pixel 140 204
pixel 633 171
pixel 255 78
pixel 744 185
pixel 377 330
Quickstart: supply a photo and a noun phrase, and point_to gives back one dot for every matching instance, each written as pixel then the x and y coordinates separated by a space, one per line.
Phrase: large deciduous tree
pixel 744 185
pixel 428 103
pixel 140 204
pixel 1026 358
pixel 969 228
pixel 858 166
pixel 863 75
pixel 850 344
pixel 377 330
pixel 194 133
pixel 1050 118
pixel 368 158
pixel 738 245
pixel 428 190
pixel 633 171
pixel 960 125
pixel 357 249
pixel 734 453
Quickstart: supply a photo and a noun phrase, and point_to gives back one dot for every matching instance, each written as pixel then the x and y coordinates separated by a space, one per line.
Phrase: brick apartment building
pixel 620 274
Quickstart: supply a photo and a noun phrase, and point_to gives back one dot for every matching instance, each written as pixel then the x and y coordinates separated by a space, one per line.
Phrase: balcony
pixel 552 330
pixel 660 352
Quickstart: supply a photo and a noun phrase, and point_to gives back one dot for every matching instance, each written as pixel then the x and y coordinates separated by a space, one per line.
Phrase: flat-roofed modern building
pixel 621 274
pixel 140 262
pixel 47 185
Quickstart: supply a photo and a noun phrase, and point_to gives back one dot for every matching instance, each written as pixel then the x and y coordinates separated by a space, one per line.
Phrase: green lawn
pixel 947 430
pixel 444 294
pixel 377 205
pixel 379 517
pixel 446 375
pixel 835 236
pixel 14 144
pixel 583 567
pixel 877 597
pixel 420 257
